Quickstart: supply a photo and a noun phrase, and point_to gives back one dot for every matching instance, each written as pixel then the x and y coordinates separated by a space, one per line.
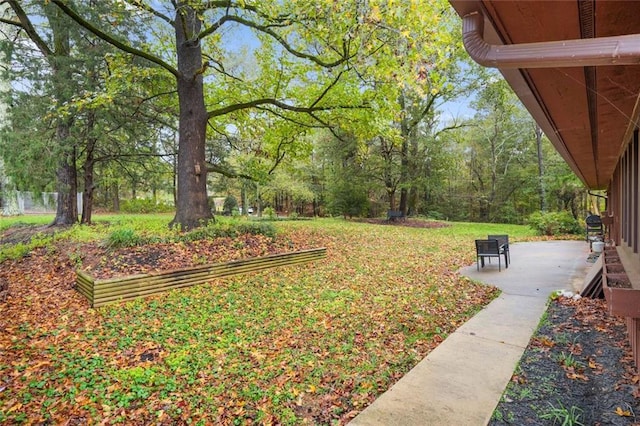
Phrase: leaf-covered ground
pixel 577 370
pixel 312 343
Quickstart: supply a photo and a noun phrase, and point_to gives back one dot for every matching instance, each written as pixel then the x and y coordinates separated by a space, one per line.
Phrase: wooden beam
pixel 102 292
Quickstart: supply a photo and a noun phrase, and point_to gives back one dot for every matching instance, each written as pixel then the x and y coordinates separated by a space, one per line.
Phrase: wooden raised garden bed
pixel 622 299
pixel 102 292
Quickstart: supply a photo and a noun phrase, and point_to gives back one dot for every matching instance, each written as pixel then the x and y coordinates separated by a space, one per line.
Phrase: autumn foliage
pixel 309 343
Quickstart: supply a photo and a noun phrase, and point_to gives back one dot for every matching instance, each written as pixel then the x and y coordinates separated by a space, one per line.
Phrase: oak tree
pixel 320 41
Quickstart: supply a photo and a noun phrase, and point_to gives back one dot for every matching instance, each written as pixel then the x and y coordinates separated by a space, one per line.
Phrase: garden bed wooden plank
pixel 102 292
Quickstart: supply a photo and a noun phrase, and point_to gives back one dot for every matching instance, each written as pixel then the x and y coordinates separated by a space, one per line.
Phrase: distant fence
pixel 102 292
pixel 25 202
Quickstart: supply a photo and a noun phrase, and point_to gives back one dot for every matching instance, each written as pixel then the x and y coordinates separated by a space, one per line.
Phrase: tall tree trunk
pixel 87 194
pixel 494 175
pixel 191 206
pixel 541 190
pixel 386 151
pixel 116 197
pixel 66 173
pixel 391 193
pixel 414 171
pixel 174 177
pixel 66 181
pixel 404 156
pixel 89 164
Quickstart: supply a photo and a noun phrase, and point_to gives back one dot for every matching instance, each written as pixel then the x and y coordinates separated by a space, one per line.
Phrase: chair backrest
pixel 487 247
pixel 502 239
pixel 593 222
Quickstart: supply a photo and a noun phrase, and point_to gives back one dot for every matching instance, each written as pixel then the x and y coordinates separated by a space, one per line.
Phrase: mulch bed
pixel 160 257
pixel 578 369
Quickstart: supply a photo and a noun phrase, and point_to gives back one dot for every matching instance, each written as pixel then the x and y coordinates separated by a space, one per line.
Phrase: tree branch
pixel 213 28
pixel 228 173
pixel 10 22
pixel 326 90
pixel 277 103
pixel 267 30
pixel 25 23
pixel 292 120
pixel 113 41
pixel 219 67
pixel 453 126
pixel 279 155
pixel 149 9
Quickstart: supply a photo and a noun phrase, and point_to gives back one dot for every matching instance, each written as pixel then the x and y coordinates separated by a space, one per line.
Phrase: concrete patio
pixel 461 381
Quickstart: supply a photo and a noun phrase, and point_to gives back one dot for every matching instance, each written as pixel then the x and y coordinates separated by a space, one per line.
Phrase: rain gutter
pixel 617 50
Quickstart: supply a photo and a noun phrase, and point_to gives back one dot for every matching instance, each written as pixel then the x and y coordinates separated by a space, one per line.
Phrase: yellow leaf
pixel 81 400
pixel 623 413
pixel 375 13
pixel 16 407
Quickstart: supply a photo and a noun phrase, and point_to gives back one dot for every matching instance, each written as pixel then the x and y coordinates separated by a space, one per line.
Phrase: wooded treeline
pixel 307 107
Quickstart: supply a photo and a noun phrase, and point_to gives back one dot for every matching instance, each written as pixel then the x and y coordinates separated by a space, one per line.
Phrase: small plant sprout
pixel 569 361
pixel 563 416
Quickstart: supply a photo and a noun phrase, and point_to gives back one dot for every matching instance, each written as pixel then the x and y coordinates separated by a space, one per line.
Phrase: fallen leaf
pixel 623 413
pixel 577 376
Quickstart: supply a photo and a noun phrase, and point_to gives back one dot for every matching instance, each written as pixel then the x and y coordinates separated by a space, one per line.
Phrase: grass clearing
pixel 315 342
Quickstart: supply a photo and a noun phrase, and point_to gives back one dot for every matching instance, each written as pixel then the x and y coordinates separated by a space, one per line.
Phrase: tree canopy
pixel 315 107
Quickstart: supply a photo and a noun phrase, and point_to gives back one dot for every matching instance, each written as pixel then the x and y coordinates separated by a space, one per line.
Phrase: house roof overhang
pixel 580 79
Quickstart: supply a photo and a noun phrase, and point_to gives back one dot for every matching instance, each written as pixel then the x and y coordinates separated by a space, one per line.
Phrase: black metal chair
pixel 489 249
pixel 504 242
pixel 594 229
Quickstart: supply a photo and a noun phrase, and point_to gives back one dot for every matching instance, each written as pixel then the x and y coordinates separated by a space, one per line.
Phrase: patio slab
pixel 461 381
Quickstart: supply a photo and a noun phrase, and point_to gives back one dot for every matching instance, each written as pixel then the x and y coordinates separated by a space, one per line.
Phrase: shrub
pixel 144 206
pixel 269 213
pixel 554 223
pixel 229 229
pixel 230 205
pixel 257 228
pixel 123 238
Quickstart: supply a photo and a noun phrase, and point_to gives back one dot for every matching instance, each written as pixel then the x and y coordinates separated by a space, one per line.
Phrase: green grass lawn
pixel 311 343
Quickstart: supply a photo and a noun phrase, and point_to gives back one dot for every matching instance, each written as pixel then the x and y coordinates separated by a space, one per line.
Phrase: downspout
pixel 617 50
